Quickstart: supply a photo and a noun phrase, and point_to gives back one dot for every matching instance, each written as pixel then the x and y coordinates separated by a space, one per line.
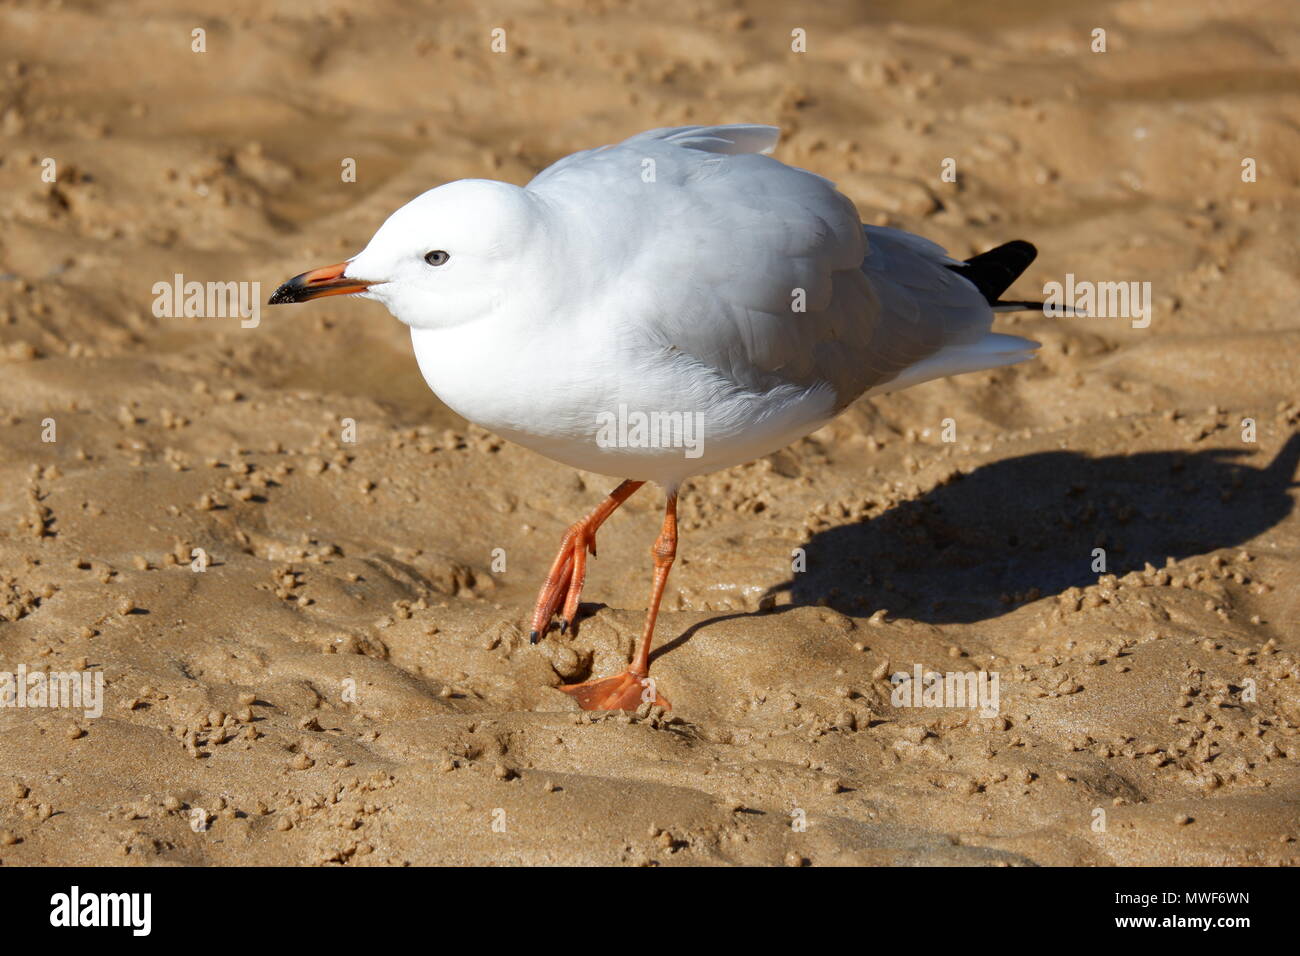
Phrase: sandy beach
pixel 306 583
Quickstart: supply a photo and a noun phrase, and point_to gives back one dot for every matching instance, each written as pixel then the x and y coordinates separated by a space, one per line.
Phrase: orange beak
pixel 319 282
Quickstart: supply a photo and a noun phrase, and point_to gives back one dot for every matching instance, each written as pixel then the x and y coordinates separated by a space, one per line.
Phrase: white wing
pixel 759 270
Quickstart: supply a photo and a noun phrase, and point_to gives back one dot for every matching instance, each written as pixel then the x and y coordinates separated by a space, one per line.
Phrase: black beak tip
pixel 285 294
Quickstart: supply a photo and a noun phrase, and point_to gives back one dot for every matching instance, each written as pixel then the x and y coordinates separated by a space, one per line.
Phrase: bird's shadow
pixel 1029 527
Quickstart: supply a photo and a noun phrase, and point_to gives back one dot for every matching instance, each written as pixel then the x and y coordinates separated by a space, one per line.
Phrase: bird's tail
pixel 994 271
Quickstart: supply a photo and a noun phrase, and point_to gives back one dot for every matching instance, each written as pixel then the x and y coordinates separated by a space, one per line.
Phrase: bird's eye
pixel 436 258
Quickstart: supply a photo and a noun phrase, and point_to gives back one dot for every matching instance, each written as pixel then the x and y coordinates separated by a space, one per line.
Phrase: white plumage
pixel 681 271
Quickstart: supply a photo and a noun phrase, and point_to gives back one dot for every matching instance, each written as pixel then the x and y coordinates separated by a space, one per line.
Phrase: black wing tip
pixel 1019 247
pixel 994 271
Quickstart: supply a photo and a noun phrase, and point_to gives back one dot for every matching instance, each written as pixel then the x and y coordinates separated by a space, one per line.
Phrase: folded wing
pixel 762 271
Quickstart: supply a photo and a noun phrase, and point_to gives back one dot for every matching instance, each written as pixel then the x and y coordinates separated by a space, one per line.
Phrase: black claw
pixel 534 637
pixel 564 627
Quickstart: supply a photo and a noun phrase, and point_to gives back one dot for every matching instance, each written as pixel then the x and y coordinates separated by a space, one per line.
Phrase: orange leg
pixel 563 585
pixel 633 687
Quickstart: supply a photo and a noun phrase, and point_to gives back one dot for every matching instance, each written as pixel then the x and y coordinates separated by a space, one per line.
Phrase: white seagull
pixel 673 305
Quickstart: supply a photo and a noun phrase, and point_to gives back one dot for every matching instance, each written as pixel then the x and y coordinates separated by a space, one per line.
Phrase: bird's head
pixel 451 255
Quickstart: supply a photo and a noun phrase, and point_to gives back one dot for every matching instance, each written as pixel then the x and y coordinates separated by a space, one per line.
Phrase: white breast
pixel 661 418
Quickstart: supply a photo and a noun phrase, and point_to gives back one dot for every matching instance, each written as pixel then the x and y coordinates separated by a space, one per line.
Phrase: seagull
pixel 669 306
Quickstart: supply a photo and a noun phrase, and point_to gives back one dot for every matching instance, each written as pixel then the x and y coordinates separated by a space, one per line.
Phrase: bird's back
pixel 758 271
